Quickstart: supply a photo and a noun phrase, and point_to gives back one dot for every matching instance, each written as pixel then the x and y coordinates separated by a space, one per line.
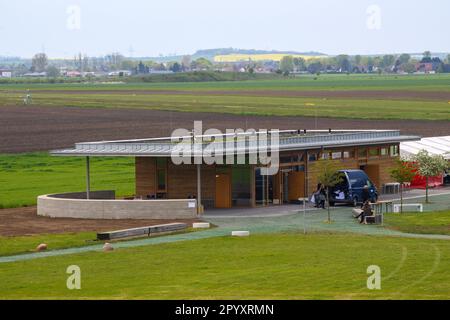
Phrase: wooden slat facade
pixel 181 180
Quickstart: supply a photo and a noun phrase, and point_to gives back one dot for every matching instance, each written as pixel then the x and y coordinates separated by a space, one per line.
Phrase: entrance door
pixel 223 191
pixel 373 172
pixel 296 185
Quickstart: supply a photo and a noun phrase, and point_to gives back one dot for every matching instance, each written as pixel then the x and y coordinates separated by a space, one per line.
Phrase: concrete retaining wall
pixel 58 206
pixel 103 195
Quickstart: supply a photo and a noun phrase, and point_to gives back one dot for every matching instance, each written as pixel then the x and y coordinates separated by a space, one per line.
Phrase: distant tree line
pixel 364 64
pixel 389 63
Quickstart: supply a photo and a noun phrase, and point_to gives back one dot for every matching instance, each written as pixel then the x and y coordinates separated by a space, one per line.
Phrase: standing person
pixel 316 195
pixel 365 195
pixel 322 196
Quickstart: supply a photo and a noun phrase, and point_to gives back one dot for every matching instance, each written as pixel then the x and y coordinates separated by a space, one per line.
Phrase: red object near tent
pixel 420 182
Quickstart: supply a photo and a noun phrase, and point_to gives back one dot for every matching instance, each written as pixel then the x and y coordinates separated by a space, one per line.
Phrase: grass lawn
pixel 25 176
pixel 27 244
pixel 264 266
pixel 424 222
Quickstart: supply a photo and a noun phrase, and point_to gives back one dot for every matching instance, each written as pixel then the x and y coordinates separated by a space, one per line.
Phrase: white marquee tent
pixel 434 145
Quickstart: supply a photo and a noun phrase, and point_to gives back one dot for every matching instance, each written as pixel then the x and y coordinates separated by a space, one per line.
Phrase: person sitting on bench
pixel 366 212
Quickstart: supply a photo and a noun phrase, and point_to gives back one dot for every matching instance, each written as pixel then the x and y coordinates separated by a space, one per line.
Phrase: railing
pixel 240 143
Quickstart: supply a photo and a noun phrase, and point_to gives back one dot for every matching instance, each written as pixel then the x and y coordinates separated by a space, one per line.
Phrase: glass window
pixel 161 180
pixel 384 151
pixel 285 158
pixel 161 174
pixel 160 162
pixel 325 155
pixel 358 179
pixel 336 155
pixel 312 156
pixel 347 154
pixel 393 150
pixel 362 152
pixel 374 152
pixel 241 185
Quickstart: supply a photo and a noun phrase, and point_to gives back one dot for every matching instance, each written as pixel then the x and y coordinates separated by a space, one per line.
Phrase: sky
pixel 62 28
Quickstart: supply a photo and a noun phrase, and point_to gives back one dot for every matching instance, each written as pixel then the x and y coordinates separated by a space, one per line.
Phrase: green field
pixel 275 266
pixel 437 82
pixel 422 223
pixel 25 176
pixel 201 99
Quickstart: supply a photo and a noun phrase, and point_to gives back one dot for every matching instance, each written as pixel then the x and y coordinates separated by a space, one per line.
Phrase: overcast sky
pixel 148 28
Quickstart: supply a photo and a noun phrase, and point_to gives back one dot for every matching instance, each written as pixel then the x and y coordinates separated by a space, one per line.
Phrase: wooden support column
pixel 199 189
pixel 88 179
pixel 252 186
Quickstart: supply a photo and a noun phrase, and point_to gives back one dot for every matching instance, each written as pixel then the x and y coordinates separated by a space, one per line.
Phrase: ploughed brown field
pixel 25 221
pixel 37 128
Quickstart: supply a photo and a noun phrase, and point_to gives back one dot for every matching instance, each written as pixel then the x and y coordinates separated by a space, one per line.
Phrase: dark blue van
pixel 350 190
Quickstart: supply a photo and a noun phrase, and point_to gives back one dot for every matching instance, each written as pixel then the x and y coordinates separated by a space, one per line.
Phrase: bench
pixel 417 206
pixel 356 212
pixel 378 206
pixel 391 188
pixel 374 219
pixel 141 231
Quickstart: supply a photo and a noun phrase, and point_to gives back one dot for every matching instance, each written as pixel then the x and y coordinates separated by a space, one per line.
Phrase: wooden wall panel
pixel 145 176
pixel 182 181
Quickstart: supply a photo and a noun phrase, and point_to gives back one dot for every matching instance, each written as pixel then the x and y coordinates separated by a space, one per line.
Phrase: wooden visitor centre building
pixel 201 185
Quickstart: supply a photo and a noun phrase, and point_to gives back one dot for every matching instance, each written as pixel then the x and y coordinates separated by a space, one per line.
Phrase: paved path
pixel 289 219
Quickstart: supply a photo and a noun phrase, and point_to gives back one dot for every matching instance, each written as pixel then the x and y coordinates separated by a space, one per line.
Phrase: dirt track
pixel 34 128
pixel 25 221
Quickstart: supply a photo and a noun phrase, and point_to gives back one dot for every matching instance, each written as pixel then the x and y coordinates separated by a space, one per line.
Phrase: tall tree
pixel 39 62
pixel 52 71
pixel 299 63
pixel 343 62
pixel 329 176
pixel 404 58
pixel 176 67
pixel 388 61
pixel 201 64
pixel 403 172
pixel 429 166
pixel 287 64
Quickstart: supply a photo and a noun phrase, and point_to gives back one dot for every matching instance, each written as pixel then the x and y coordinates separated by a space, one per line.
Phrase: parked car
pixel 350 189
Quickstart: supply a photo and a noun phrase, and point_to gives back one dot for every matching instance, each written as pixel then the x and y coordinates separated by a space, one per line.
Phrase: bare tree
pixel 39 62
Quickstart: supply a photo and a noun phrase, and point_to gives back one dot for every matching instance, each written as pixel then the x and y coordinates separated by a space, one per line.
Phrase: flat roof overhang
pixel 163 147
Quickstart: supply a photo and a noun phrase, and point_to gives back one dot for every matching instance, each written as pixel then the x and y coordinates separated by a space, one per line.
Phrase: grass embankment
pixel 196 76
pixel 25 176
pixel 27 244
pixel 275 266
pixel 423 222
